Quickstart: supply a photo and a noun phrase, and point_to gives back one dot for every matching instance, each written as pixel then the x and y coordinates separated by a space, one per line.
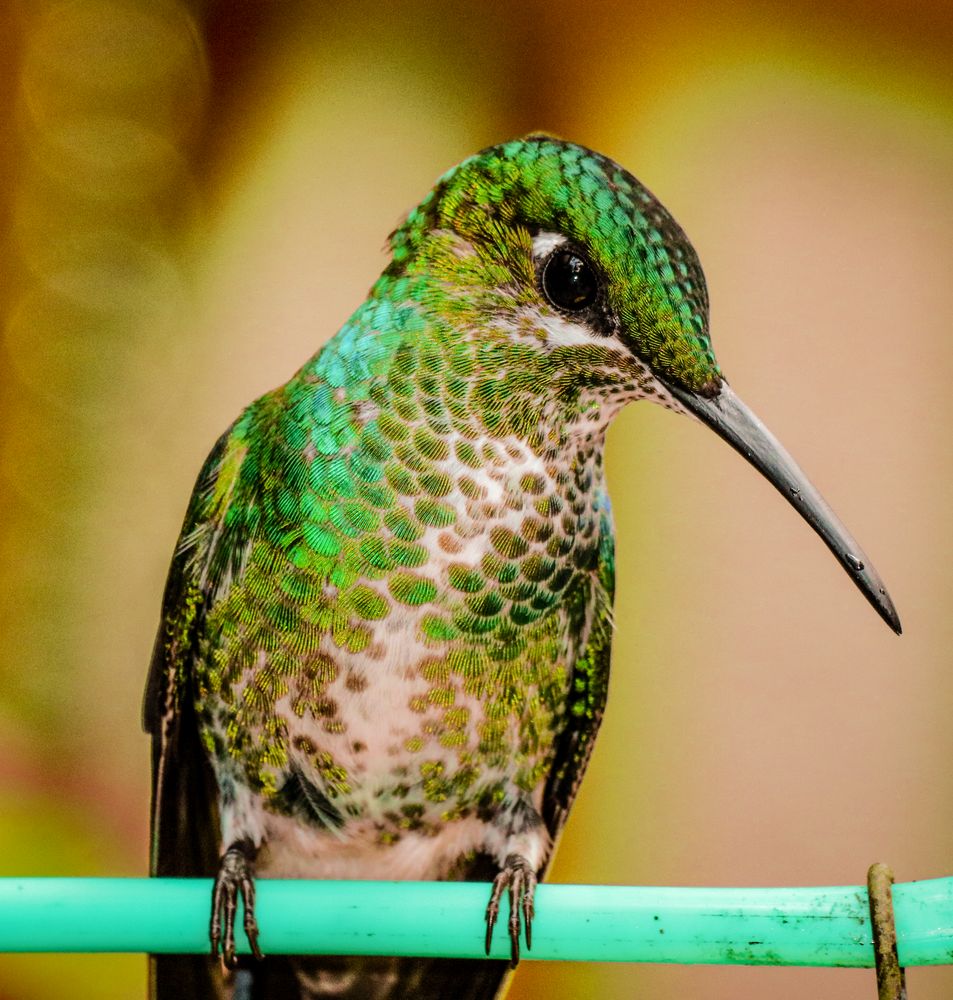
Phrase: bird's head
pixel 545 244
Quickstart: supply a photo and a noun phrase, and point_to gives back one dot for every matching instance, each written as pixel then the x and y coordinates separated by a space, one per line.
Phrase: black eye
pixel 569 281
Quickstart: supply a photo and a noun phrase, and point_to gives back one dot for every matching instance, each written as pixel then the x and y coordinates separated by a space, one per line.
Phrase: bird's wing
pixel 185 822
pixel 589 686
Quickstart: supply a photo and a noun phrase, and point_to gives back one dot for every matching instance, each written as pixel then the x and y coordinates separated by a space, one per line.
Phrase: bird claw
pixel 519 877
pixel 235 878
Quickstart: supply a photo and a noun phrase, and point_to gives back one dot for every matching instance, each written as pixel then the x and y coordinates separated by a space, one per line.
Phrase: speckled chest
pixel 447 701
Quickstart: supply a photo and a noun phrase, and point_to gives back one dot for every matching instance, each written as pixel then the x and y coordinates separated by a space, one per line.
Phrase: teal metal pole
pixel 823 926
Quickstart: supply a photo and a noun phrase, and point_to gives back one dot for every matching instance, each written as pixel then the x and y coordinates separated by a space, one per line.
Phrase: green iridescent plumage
pixel 430 480
pixel 322 506
pixel 386 631
pixel 331 481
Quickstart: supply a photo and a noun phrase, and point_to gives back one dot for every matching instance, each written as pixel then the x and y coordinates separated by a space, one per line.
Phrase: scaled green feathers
pixel 440 414
pixel 387 626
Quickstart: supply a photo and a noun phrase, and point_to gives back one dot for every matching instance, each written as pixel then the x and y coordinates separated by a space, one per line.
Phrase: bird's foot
pixel 517 875
pixel 236 876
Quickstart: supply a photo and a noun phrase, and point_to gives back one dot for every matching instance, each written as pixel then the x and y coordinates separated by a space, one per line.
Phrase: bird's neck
pixel 405 363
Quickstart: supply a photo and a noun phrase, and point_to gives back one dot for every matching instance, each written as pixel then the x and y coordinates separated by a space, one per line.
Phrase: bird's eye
pixel 568 281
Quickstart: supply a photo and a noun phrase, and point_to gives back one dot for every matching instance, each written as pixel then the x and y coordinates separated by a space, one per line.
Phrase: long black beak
pixel 728 416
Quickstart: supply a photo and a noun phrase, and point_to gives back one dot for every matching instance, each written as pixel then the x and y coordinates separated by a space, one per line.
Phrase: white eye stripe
pixel 545 243
pixel 562 332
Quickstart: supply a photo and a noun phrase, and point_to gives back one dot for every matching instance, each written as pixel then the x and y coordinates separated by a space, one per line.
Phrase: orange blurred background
pixel 194 196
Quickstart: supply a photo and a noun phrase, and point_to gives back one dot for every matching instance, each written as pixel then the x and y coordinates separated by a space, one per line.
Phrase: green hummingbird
pixel 385 638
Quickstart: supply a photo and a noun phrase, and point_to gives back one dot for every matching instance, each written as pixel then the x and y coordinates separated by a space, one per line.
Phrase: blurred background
pixel 195 195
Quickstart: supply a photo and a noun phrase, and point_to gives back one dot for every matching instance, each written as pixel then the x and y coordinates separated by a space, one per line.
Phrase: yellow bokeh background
pixel 195 195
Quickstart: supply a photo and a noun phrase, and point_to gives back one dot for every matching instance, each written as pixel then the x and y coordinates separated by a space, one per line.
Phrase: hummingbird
pixel 385 637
